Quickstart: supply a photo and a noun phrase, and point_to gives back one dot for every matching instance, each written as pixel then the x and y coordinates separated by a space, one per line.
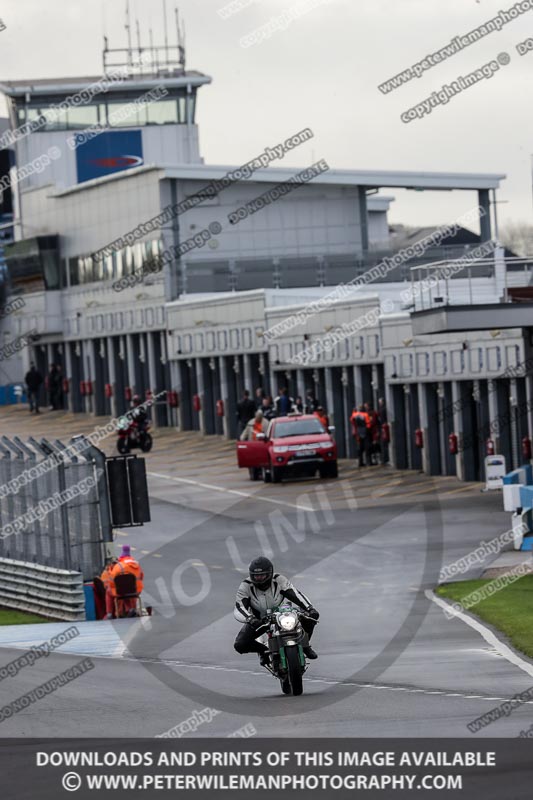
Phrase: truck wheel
pixel 267 477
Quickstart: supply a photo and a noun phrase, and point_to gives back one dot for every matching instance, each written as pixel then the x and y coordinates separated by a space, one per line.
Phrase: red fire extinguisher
pixel 196 402
pixel 220 408
pixel 172 399
pixel 108 390
pixel 526 448
pixel 128 394
pixel 419 437
pixel 452 443
pixel 82 388
pixel 88 387
pixel 65 385
pixel 385 432
pixel 489 446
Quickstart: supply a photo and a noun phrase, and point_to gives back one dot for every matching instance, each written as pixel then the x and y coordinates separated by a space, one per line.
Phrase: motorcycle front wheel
pixel 285 685
pixel 146 443
pixel 294 669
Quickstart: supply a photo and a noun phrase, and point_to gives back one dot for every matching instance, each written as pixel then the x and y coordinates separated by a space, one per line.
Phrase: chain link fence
pixel 54 504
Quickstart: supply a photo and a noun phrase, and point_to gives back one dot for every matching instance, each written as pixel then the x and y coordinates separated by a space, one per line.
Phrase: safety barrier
pixel 518 498
pixel 47 591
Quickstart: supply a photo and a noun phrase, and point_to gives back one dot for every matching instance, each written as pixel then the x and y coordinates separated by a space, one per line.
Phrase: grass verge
pixel 10 616
pixel 510 609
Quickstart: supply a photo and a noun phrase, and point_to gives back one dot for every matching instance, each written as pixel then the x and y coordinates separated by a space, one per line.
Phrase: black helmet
pixel 261 571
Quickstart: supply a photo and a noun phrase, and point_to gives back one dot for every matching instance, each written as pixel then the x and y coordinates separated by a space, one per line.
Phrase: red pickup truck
pixel 298 445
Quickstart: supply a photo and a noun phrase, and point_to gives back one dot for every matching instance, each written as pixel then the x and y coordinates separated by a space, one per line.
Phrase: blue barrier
pixel 90 607
pixel 518 476
pixel 8 396
pixel 526 502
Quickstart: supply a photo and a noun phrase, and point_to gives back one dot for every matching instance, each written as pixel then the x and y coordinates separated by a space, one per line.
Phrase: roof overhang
pixel 489 317
pixel 436 181
pixel 72 86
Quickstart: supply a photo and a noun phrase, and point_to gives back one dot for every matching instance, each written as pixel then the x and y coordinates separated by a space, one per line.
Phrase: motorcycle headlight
pixel 288 621
pixel 122 424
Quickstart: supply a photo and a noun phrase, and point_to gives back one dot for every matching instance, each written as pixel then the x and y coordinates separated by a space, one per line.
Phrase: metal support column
pixel 458 428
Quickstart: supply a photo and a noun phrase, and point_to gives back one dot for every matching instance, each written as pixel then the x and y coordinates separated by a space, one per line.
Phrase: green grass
pixel 510 609
pixel 11 617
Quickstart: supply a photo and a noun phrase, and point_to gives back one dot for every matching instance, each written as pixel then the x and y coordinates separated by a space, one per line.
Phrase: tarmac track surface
pixel 365 549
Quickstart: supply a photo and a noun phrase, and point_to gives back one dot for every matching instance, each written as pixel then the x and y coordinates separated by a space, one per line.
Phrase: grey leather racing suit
pixel 253 602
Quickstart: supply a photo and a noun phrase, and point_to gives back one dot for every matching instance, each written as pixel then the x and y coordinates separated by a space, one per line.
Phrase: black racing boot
pixel 264 658
pixel 310 653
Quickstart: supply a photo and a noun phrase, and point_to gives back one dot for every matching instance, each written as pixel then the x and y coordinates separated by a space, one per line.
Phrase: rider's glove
pixel 254 622
pixel 313 613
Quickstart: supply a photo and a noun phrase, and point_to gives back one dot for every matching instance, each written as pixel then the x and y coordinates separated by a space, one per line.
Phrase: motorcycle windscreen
pixel 252 454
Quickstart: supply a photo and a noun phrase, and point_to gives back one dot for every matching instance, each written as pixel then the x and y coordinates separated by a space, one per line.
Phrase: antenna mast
pixel 128 28
pixel 165 28
pixel 181 39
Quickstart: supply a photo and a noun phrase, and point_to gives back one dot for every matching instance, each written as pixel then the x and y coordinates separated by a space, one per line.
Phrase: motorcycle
pixel 285 638
pixel 131 436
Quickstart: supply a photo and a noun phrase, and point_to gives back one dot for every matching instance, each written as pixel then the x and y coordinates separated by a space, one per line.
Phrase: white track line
pixel 230 491
pixel 487 634
pixel 124 656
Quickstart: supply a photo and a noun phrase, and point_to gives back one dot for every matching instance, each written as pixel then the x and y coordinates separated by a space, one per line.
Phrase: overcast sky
pixel 322 72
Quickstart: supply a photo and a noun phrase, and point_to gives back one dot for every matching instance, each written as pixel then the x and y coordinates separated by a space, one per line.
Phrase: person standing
pixel 258 424
pixel 283 403
pixel 259 396
pixel 321 415
pixel 33 381
pixel 374 432
pixel 267 407
pixel 311 403
pixel 245 411
pixel 360 427
pixel 54 380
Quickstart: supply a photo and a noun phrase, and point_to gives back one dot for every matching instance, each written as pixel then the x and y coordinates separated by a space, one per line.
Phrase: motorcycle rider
pixel 138 413
pixel 262 590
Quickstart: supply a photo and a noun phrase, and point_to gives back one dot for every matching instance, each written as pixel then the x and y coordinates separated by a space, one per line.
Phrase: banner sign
pixel 109 152
pixel 242 768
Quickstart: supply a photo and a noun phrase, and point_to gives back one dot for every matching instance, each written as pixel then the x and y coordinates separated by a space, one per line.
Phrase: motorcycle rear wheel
pixel 294 669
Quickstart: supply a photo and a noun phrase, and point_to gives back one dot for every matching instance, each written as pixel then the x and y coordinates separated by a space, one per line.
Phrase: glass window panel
pixel 118 255
pixel 82 116
pixel 126 115
pixel 138 256
pixel 182 112
pixel 108 268
pixel 162 112
pixel 73 271
pixel 127 261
